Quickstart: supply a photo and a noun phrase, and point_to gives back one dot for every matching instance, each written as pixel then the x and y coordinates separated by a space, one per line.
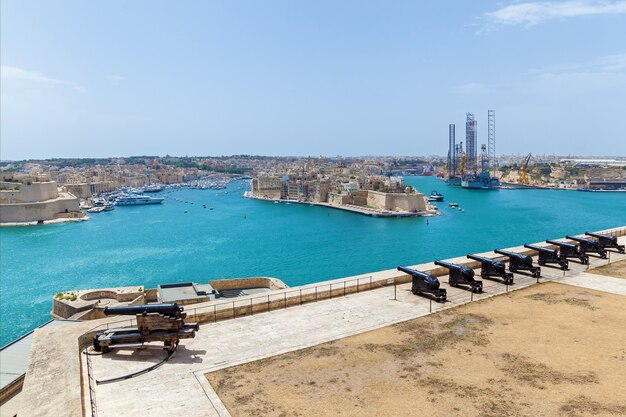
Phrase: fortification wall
pixel 33 212
pixel 79 190
pixel 396 201
pixel 339 199
pixel 35 192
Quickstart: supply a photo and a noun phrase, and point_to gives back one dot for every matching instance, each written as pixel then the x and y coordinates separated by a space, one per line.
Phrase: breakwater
pixel 300 244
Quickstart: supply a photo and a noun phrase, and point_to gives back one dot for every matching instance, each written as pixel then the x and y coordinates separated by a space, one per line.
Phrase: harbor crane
pixel 463 163
pixel 523 172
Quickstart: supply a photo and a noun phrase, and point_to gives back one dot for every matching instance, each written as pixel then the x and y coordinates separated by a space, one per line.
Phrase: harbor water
pixel 182 240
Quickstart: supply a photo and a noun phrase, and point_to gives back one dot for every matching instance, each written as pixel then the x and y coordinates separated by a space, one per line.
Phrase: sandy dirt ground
pixel 548 350
pixel 615 269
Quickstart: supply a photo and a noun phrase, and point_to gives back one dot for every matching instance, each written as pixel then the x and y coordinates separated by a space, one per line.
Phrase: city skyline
pixel 350 79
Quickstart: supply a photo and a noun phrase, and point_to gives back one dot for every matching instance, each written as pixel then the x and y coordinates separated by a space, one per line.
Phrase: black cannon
pixel 170 310
pixel 549 256
pixel 155 323
pixel 520 262
pixel 425 283
pixel 588 246
pixel 461 275
pixel 569 250
pixel 607 241
pixel 490 268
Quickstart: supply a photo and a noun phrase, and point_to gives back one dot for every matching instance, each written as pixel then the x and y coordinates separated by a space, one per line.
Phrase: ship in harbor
pixel 482 181
pixel 137 200
pixel 435 196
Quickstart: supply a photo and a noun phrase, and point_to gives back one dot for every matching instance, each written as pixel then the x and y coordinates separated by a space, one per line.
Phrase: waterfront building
pixel 35 199
pixel 267 186
pixel 338 185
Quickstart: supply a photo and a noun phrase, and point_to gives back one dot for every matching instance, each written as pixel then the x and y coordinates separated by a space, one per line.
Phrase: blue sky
pixel 115 78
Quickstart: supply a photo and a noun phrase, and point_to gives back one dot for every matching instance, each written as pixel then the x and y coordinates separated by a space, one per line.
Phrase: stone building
pixel 35 201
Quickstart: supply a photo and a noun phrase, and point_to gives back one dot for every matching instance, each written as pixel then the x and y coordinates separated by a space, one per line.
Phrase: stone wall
pixel 396 201
pixel 33 212
pixel 65 310
pixel 256 282
pixel 339 199
pixel 359 198
pixel 267 187
pixel 35 192
pixel 79 190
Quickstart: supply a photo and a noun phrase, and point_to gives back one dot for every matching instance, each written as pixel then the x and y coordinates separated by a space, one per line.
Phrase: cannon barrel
pixel 611 238
pixel 490 268
pixel 554 242
pixel 486 260
pixel 519 256
pixel 462 269
pixel 540 249
pixel 165 309
pixel 428 278
pixel 465 270
pixel 605 242
pixel 581 239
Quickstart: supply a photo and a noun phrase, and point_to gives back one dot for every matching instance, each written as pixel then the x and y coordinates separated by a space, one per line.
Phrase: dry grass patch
pixel 527 353
pixel 615 270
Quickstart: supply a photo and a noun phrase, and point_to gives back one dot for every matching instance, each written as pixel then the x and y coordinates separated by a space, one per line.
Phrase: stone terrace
pixel 179 386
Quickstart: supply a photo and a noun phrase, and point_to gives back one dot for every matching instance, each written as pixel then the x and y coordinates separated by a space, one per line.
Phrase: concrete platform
pixel 58 370
pixel 233 342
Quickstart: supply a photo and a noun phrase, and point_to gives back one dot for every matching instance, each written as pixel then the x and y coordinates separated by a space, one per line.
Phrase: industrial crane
pixel 463 163
pixel 523 172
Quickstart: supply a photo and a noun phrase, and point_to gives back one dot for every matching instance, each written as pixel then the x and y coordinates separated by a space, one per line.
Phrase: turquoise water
pixel 151 245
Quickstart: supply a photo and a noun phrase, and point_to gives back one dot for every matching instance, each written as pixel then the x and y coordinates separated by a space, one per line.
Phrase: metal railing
pixel 241 307
pixel 92 386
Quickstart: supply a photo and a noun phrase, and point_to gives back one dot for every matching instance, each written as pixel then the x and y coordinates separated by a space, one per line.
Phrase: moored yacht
pixel 137 200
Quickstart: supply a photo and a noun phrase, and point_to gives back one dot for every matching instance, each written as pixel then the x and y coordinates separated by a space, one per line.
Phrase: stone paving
pixel 179 387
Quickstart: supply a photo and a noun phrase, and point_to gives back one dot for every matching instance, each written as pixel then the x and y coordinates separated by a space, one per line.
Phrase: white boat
pixel 154 188
pixel 96 210
pixel 137 200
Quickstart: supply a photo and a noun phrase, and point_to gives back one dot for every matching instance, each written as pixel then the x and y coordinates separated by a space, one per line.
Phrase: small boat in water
pixel 96 210
pixel 453 204
pixel 435 196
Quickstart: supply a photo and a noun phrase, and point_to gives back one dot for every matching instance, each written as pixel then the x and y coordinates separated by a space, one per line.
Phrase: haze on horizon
pixel 87 79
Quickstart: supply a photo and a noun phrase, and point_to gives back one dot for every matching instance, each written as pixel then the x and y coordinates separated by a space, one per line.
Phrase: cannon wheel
pixel 603 254
pixel 542 263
